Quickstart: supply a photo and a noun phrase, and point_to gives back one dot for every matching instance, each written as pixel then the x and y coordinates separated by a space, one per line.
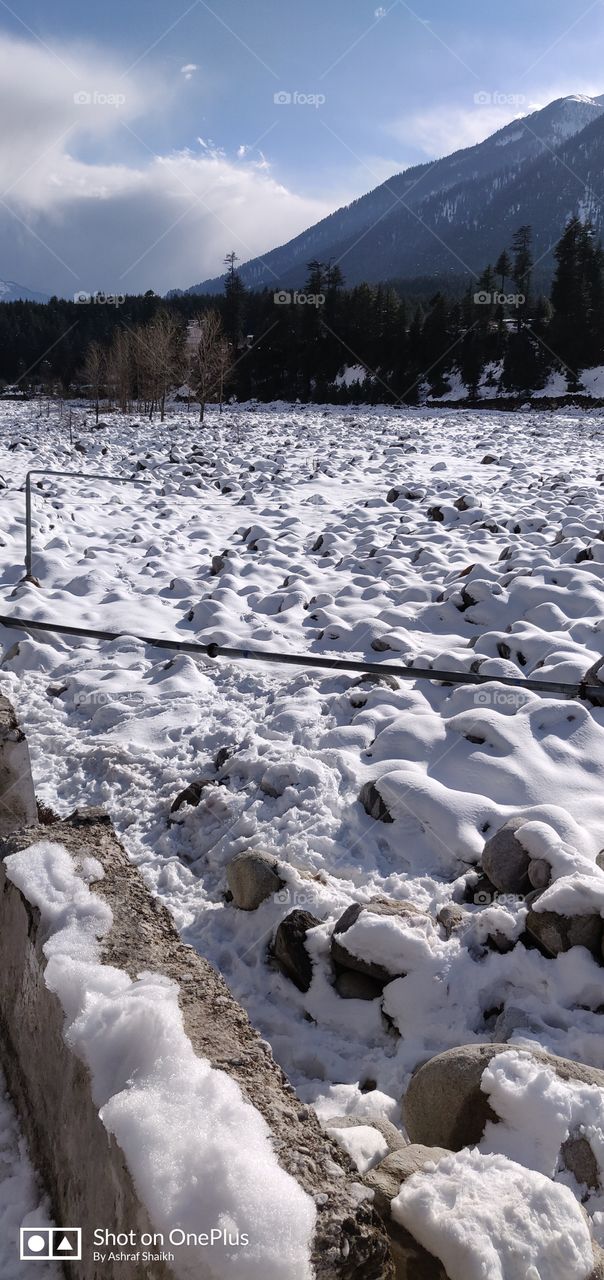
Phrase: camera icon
pixel 483 99
pixel 282 298
pixel 82 298
pixel 483 298
pixel 82 99
pixel 282 99
pixel 282 897
pixel 50 1244
pixel 482 898
pixel 482 698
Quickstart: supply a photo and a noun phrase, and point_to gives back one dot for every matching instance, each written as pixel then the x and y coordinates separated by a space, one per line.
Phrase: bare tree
pixel 94 372
pixel 120 375
pixel 207 362
pixel 161 355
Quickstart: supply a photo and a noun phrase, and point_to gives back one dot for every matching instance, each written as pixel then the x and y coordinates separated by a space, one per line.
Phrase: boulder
pixel 289 950
pixel 539 873
pixel 374 804
pixel 452 917
pixel 556 933
pixel 385 1180
pixel 395 1140
pixel 505 861
pixel 577 1156
pixel 344 959
pixel 191 795
pixel 253 877
pixel 357 986
pixel 444 1104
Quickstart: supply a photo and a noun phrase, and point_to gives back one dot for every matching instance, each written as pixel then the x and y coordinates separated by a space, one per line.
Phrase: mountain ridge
pixel 430 219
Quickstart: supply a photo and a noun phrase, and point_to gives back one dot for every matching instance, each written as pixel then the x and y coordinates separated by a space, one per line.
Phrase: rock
pixel 436 513
pixel 480 891
pixel 395 1139
pixel 452 917
pixel 595 678
pixel 191 795
pixel 539 873
pixel 392 495
pixel 385 1180
pixel 373 803
pixel 412 1261
pixel 489 460
pixel 578 1157
pixel 505 861
pixel 357 986
pixel 344 959
pixel 444 1104
pixel 511 1019
pixel 555 933
pixel 289 949
pixel 387 681
pixel 253 877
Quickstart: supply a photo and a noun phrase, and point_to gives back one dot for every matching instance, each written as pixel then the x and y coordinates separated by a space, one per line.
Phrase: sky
pixel 142 140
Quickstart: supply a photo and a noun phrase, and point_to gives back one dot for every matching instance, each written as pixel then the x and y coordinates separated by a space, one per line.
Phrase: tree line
pixel 286 344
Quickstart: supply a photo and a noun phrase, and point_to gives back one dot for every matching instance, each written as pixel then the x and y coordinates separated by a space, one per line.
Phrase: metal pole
pixel 578 690
pixel 28 550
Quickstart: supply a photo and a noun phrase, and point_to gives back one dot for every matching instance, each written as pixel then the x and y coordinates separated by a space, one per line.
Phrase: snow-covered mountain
pixel 10 291
pixel 455 215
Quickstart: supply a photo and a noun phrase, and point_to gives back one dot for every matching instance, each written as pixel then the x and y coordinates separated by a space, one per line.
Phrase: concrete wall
pixel 81 1165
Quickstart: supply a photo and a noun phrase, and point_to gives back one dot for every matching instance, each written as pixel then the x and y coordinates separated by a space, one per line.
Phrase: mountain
pixel 456 214
pixel 10 291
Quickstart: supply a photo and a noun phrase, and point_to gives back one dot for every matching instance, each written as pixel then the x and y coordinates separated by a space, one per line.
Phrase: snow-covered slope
pixel 463 198
pixel 10 291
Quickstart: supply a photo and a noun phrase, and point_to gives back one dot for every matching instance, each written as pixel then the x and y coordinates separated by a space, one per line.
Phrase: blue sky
pixel 177 149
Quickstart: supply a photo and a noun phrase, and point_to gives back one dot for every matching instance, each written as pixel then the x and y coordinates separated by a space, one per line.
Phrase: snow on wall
pixel 200 1155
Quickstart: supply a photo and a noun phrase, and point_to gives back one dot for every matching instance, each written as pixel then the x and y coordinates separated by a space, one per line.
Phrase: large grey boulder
pixel 344 958
pixel 505 861
pixel 556 933
pixel 444 1104
pixel 253 877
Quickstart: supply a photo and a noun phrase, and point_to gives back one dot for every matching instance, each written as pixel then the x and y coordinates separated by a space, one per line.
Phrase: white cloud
pixel 440 131
pixel 189 70
pixel 67 223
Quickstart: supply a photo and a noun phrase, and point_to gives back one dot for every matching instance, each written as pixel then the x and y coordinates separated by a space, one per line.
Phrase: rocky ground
pixel 384 871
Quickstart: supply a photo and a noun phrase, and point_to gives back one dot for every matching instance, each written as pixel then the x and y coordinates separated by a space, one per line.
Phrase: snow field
pixel 371 533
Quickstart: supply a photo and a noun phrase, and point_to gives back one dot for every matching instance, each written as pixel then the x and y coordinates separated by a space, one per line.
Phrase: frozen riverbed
pixel 462 540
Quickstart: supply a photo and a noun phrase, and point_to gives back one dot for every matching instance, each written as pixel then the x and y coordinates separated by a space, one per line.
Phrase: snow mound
pixel 487 1218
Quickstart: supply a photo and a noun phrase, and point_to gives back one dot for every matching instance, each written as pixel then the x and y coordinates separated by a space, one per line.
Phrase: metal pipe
pixel 579 690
